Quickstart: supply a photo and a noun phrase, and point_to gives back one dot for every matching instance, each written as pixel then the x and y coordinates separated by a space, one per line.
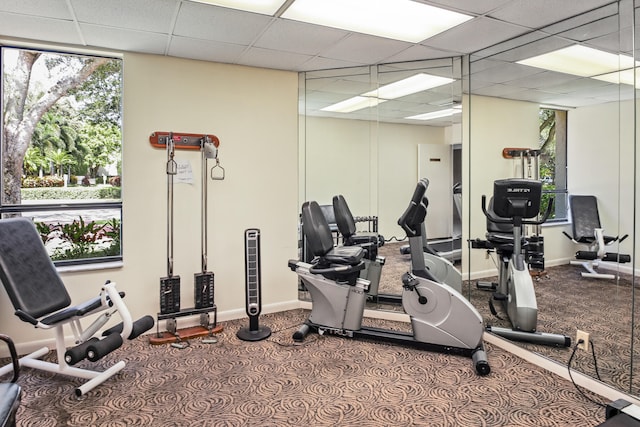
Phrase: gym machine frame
pixel 203 281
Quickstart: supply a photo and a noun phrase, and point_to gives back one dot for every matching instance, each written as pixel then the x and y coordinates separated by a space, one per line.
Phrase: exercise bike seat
pixel 500 236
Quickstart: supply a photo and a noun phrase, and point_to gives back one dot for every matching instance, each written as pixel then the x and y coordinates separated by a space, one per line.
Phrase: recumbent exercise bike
pixel 441 318
pixel 515 201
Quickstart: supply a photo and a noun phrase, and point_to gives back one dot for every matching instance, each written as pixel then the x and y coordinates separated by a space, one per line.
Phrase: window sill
pixel 90 267
pixel 561 223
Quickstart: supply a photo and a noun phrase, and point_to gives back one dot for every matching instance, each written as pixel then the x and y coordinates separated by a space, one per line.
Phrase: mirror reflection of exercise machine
pixel 448 248
pixel 587 230
pixel 441 318
pixel 527 166
pixel 423 256
pixel 369 242
pixel 515 202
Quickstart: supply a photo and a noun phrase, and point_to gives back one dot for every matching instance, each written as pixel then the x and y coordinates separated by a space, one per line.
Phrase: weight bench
pixel 10 392
pixel 588 231
pixel 40 298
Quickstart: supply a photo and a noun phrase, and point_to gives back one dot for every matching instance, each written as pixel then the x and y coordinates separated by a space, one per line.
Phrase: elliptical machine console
pixel 441 318
pixel 516 202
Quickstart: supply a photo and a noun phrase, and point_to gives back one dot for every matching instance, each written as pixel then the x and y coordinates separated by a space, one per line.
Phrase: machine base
pixel 543 338
pixel 184 334
pixel 402 338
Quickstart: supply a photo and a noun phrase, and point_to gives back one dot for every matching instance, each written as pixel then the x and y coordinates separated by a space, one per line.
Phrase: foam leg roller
pixel 614 257
pixel 79 352
pixel 588 255
pixel 139 327
pixel 98 350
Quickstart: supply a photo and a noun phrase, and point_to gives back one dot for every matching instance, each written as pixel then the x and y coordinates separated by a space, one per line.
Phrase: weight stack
pixel 203 289
pixel 254 332
pixel 169 294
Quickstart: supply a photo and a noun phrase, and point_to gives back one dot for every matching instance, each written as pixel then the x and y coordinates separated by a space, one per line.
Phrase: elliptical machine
pixel 515 201
pixel 424 257
pixel 441 318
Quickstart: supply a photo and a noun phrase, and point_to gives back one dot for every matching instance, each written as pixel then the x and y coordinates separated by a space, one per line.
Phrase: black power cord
pixel 595 362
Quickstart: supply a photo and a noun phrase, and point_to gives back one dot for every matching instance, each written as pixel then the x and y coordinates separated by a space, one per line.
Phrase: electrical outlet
pixel 584 336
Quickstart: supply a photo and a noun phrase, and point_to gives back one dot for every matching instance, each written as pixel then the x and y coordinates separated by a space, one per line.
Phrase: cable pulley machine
pixel 170 307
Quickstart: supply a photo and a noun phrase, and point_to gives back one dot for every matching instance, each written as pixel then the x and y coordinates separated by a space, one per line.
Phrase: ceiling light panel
pixel 413 84
pixel 436 114
pixel 265 7
pixel 580 61
pixel 404 20
pixel 353 104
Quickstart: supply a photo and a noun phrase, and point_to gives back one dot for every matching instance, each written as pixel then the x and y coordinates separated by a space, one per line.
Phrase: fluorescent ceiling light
pixel 436 114
pixel 405 20
pixel 413 84
pixel 580 61
pixel 353 104
pixel 265 7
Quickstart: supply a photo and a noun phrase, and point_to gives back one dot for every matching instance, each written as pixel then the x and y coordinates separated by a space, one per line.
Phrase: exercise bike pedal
pixel 486 286
pixel 499 296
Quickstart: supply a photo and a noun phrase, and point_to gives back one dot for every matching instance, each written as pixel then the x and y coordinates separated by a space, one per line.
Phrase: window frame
pixel 7 209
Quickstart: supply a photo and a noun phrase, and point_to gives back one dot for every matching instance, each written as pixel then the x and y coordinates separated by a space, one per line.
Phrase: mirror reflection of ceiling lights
pixel 410 85
pixel 585 61
pixel 412 21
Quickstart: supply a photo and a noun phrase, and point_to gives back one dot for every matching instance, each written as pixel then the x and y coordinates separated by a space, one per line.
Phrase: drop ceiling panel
pixel 475 34
pixel 469 6
pixel 142 15
pixel 124 39
pixel 201 21
pixel 267 58
pixel 539 13
pixel 293 36
pixel 56 9
pixel 184 47
pixel 322 63
pixel 36 28
pixel 419 52
pixel 365 49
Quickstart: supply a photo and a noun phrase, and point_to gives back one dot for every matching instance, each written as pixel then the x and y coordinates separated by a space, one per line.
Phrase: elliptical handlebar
pixel 501 220
pixel 413 215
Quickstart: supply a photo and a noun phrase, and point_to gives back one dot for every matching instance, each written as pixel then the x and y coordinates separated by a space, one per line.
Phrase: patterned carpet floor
pixel 566 302
pixel 326 381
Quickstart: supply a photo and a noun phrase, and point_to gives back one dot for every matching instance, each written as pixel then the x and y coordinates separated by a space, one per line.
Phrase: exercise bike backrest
pixel 330 261
pixel 413 217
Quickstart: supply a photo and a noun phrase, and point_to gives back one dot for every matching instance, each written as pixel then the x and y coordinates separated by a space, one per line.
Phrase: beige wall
pixel 374 166
pixel 254 113
pixel 495 124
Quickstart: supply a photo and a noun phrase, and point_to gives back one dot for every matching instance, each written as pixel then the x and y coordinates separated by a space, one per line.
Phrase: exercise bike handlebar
pixel 501 220
pixel 344 269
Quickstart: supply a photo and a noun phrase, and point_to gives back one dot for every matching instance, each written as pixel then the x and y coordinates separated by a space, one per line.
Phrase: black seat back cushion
pixel 344 218
pixel 27 272
pixel 584 217
pixel 316 229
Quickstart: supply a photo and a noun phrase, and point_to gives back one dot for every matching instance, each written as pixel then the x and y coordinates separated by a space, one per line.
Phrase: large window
pixel 553 160
pixel 61 150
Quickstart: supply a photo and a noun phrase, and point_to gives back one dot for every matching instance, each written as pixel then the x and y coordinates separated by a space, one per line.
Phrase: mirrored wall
pixel 370 133
pixel 494 108
pixel 582 68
